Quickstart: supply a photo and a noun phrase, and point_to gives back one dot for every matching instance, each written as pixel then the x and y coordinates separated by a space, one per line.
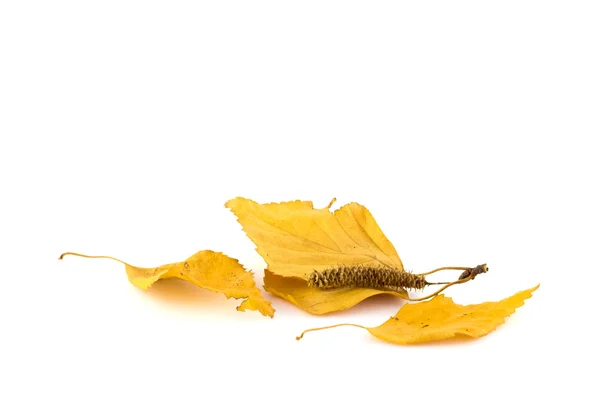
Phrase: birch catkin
pixel 365 277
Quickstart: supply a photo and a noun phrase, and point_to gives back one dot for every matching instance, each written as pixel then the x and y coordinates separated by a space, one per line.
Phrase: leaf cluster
pixel 323 262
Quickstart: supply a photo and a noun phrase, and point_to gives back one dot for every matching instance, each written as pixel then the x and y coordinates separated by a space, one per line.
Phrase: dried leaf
pixel 315 300
pixel 295 239
pixel 207 269
pixel 441 318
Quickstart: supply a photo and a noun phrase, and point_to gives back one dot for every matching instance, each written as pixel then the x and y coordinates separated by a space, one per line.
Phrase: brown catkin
pixel 366 277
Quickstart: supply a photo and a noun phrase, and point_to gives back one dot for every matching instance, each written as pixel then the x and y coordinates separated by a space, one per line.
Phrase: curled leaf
pixel 441 318
pixel 207 269
pixel 315 300
pixel 295 239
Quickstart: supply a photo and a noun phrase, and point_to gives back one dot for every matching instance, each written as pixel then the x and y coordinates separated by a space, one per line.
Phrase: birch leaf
pixel 207 269
pixel 315 300
pixel 441 318
pixel 294 238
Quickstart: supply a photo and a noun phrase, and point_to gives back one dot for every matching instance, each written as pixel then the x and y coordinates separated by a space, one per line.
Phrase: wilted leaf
pixel 295 239
pixel 207 269
pixel 441 318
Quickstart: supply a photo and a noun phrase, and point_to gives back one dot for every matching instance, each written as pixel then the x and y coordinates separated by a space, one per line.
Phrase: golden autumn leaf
pixel 295 239
pixel 315 300
pixel 207 269
pixel 441 318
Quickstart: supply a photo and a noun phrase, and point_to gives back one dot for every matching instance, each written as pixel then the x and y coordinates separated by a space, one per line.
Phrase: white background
pixel 467 128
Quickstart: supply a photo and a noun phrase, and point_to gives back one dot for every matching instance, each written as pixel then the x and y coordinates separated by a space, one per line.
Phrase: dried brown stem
pixel 467 275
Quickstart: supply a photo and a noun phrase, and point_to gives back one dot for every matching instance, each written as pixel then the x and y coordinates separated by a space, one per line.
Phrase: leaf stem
pixel 327 327
pixel 458 282
pixel 86 256
pixel 447 269
pixel 331 203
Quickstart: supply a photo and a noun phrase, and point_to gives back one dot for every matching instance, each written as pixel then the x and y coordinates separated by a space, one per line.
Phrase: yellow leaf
pixel 295 239
pixel 441 318
pixel 207 269
pixel 315 300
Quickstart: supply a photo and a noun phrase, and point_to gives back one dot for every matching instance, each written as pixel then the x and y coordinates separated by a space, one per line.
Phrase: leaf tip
pixel 529 292
pixel 229 202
